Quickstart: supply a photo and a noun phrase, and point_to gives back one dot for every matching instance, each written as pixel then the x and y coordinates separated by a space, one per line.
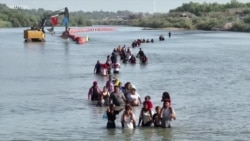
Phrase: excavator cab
pixel 34 34
pixel 37 34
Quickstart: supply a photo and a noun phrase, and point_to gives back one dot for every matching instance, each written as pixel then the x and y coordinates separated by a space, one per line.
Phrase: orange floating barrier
pixel 89 29
pixel 80 40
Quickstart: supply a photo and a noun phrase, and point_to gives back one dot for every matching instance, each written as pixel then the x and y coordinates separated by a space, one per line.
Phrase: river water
pixel 43 86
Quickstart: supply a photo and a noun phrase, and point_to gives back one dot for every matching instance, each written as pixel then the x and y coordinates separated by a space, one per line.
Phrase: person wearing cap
pixel 133 98
pixel 167 114
pixel 94 92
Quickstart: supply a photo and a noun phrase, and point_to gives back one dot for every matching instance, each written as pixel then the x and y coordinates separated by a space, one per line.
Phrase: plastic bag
pixel 105 116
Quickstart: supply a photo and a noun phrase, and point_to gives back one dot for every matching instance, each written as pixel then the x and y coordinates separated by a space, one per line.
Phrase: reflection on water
pixel 147 133
pixel 34 44
pixel 166 134
pixel 44 86
pixel 112 132
pixel 128 134
pixel 66 46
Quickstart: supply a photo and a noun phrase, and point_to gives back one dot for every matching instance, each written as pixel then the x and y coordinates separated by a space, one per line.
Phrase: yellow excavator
pixel 37 34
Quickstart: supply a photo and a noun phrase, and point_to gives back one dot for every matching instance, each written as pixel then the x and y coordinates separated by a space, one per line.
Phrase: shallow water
pixel 43 86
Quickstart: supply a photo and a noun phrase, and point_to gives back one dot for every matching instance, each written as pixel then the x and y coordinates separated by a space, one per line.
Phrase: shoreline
pixel 184 29
pixel 167 28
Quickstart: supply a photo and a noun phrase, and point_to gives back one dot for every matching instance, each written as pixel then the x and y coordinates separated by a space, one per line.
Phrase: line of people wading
pixel 112 62
pixel 118 97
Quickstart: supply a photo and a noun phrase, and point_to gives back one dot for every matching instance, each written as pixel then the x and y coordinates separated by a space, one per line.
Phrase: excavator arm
pixel 38 33
pixel 56 13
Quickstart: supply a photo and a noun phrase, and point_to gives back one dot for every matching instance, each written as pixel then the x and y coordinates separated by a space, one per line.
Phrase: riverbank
pixel 167 28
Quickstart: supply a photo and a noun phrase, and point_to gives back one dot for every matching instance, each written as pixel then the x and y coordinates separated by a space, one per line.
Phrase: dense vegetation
pixel 27 18
pixel 233 16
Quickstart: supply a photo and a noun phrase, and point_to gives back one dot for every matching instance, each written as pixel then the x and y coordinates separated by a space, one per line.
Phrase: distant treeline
pixel 31 17
pixel 232 16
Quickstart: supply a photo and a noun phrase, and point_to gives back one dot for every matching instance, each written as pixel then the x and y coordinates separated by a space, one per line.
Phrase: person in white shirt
pixel 134 98
pixel 128 119
pixel 167 114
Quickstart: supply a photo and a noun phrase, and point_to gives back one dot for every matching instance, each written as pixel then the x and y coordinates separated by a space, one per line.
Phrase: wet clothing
pixel 150 104
pixel 140 54
pixel 94 93
pixel 106 100
pixel 133 97
pixel 144 59
pixel 132 60
pixel 116 67
pixel 110 85
pixel 157 120
pixel 113 58
pixel 98 68
pixel 128 121
pixel 104 71
pixel 146 118
pixel 117 98
pixel 111 119
pixel 166 119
